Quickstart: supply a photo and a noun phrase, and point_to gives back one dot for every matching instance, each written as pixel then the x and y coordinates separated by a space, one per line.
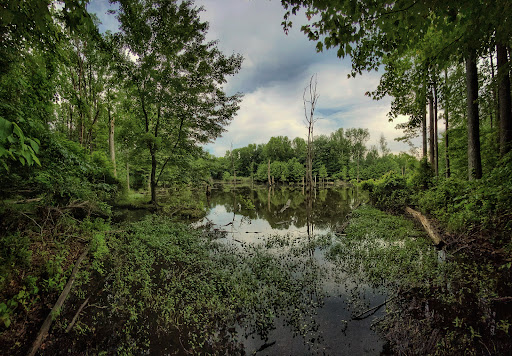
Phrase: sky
pixel 276 69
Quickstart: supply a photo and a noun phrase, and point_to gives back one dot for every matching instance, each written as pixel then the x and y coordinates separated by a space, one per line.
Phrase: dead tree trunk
pixel 310 98
pixel 436 148
pixel 436 239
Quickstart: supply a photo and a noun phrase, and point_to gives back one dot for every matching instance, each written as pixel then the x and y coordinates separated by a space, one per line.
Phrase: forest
pixel 97 124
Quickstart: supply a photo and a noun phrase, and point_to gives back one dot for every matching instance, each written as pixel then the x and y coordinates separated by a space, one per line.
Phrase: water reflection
pixel 327 211
pixel 297 231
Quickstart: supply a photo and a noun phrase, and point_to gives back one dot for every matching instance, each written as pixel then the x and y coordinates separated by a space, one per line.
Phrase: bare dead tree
pixel 310 98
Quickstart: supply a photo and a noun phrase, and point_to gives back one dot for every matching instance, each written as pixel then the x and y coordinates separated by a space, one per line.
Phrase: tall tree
pixel 446 117
pixel 358 139
pixel 504 102
pixel 474 159
pixel 177 77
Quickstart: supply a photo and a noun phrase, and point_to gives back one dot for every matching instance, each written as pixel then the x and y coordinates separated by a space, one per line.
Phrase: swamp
pixel 163 192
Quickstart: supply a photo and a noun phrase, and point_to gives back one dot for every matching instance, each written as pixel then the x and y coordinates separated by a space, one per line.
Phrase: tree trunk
pixel 424 129
pixel 153 177
pixel 504 101
pixel 431 129
pixel 494 94
pixel 436 141
pixel 268 173
pixel 358 158
pixel 474 158
pixel 436 238
pixel 127 176
pixel 111 142
pixel 447 156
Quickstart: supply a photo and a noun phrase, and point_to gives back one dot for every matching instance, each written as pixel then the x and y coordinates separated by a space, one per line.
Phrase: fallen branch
pixel 73 321
pixel 55 310
pixel 24 201
pixel 373 309
pixel 438 241
pixel 265 346
pixel 502 299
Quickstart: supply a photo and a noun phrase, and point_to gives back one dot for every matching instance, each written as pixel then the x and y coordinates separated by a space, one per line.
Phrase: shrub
pixel 389 193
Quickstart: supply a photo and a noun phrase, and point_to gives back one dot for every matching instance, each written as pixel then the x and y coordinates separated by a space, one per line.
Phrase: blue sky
pixel 275 71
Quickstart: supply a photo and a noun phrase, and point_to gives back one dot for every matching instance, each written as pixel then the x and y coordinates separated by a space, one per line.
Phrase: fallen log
pixel 56 308
pixel 432 233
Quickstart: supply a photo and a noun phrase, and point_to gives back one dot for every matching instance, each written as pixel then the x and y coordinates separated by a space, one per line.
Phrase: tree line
pixel 342 155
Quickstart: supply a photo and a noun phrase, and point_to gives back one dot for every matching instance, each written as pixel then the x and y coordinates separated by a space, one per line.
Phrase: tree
pixel 176 77
pixel 357 138
pixel 310 98
pixel 504 101
pixel 383 145
pixel 474 159
pixel 322 173
pixel 278 149
pixel 31 33
pixel 299 147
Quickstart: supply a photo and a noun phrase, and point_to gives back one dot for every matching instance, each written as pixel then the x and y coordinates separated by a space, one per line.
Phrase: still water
pixel 299 236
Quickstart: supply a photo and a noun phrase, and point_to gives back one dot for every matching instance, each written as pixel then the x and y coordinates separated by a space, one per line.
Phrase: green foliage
pixel 226 176
pixel 463 205
pixel 389 193
pixel 99 250
pixel 25 298
pixel 296 170
pixel 171 285
pixel 56 278
pixel 69 173
pixel 423 176
pixel 342 155
pixel 14 145
pixel 383 248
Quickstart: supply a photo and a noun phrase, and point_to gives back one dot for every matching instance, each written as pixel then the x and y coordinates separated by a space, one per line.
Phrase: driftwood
pixel 436 238
pixel 56 308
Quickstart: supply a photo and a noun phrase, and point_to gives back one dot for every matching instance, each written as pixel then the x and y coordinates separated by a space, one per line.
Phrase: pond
pixel 323 319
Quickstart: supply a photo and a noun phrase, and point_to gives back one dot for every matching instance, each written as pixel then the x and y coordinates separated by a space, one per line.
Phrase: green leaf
pixel 34 145
pixel 36 160
pixel 5 129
